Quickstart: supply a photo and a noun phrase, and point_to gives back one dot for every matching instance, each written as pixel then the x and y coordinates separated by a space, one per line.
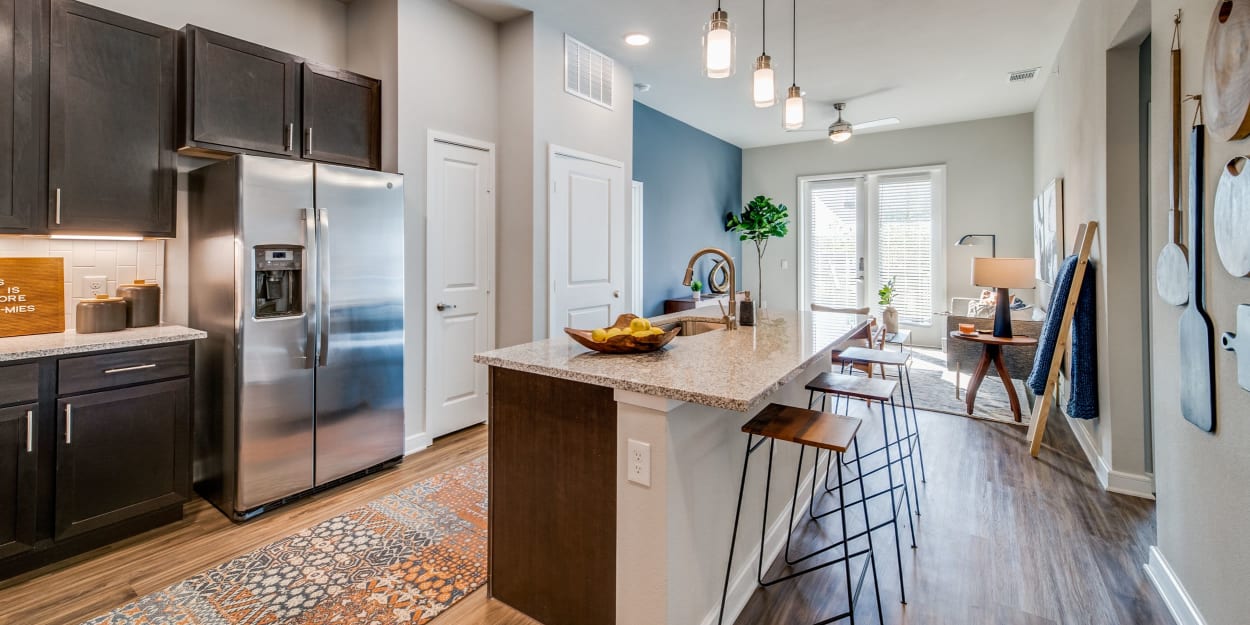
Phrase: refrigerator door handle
pixel 323 279
pixel 310 317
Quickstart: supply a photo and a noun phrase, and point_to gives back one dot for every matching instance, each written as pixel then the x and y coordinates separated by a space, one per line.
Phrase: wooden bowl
pixel 623 343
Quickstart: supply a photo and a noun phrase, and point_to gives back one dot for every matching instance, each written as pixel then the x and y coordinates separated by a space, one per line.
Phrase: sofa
pixel 962 356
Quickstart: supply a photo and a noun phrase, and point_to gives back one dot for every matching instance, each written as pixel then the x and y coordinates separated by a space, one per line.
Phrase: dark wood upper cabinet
pixel 238 97
pixel 121 454
pixel 342 117
pixel 19 447
pixel 21 117
pixel 111 116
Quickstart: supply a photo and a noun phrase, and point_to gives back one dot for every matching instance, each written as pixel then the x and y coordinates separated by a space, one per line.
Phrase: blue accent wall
pixel 690 180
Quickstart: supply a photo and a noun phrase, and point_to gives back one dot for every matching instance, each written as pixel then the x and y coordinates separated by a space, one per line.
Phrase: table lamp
pixel 1003 274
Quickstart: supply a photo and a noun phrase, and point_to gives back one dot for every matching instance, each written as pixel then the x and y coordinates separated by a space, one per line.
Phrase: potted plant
pixel 889 314
pixel 761 220
pixel 696 290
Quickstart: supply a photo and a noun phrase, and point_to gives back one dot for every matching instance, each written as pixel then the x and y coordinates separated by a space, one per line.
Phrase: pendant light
pixel 764 89
pixel 794 97
pixel 718 45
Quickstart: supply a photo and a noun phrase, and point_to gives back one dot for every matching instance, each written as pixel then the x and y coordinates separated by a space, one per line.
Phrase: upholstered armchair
pixel 962 356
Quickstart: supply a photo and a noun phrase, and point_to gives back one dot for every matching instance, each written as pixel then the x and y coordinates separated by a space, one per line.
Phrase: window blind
pixel 905 243
pixel 833 255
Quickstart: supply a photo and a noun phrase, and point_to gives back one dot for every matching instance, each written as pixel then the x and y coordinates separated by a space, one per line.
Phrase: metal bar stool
pixel 870 390
pixel 821 430
pixel 900 360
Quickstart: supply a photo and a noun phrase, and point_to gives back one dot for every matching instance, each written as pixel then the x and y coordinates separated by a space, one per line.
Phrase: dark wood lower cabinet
pixel 120 454
pixel 80 469
pixel 18 455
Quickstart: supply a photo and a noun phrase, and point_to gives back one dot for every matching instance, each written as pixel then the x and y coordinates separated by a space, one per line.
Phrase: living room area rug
pixel 935 390
pixel 403 558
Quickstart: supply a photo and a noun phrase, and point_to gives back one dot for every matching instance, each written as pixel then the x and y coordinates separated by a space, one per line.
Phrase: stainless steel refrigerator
pixel 297 274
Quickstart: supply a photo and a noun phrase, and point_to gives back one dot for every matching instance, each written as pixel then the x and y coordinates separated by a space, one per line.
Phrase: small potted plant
pixel 761 220
pixel 696 290
pixel 889 314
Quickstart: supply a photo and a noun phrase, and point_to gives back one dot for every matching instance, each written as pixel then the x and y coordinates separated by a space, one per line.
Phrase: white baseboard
pixel 1133 484
pixel 417 442
pixel 1183 610
pixel 744 583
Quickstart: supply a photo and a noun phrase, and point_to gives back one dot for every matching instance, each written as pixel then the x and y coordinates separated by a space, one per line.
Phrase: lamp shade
pixel 1003 273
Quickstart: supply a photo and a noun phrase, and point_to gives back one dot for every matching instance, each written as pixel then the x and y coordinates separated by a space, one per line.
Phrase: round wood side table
pixel 993 353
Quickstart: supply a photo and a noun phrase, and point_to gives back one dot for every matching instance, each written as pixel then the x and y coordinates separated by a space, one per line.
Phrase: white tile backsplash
pixel 120 261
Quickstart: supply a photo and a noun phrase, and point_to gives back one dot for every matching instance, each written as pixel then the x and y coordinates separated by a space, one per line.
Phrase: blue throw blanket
pixel 1083 401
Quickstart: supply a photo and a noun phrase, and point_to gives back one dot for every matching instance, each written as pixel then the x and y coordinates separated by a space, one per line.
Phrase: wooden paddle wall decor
pixel 1172 267
pixel 1225 81
pixel 32 296
pixel 1085 235
pixel 1197 366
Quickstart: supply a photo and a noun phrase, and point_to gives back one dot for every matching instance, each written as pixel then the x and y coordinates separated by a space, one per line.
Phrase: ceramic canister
pixel 143 303
pixel 101 314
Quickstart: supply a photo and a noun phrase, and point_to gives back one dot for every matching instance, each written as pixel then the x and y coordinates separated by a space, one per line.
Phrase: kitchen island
pixel 572 539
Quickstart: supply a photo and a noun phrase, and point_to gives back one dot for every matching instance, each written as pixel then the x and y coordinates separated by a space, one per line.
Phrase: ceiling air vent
pixel 588 72
pixel 1023 75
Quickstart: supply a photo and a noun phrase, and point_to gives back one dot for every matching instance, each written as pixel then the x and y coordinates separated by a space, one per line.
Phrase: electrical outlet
pixel 95 285
pixel 639 462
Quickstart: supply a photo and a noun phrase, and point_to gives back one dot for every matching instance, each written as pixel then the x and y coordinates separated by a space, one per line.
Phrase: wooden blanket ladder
pixel 1084 241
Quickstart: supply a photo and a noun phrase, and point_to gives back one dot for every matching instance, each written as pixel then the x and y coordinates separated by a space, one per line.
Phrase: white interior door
pixel 587 241
pixel 460 276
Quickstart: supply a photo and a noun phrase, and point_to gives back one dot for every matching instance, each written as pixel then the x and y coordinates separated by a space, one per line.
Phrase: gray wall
pixel 690 179
pixel 531 56
pixel 1203 480
pixel 989 189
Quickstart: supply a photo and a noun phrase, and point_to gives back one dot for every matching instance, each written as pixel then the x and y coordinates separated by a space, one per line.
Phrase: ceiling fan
pixel 841 130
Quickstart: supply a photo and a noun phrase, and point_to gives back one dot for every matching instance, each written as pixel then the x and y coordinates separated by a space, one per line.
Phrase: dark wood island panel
pixel 553 498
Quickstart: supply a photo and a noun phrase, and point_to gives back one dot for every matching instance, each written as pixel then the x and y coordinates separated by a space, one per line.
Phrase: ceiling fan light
pixel 764 88
pixel 718 46
pixel 840 131
pixel 794 109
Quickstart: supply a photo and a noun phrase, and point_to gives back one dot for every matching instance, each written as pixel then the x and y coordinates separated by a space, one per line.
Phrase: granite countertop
pixel 70 342
pixel 733 370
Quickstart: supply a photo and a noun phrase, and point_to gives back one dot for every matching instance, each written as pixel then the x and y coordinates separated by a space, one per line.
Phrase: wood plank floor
pixel 1004 539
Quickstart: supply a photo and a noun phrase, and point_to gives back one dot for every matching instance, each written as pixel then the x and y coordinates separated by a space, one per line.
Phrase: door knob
pixel 616 294
pixel 441 307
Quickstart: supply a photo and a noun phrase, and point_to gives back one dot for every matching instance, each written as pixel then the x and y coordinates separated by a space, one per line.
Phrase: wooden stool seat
pixel 863 355
pixel 859 387
pixel 805 427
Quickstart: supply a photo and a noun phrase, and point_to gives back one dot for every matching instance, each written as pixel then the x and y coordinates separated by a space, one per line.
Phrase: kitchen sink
pixel 693 327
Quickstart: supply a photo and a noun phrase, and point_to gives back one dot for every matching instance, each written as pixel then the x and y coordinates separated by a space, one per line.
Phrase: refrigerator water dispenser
pixel 278 283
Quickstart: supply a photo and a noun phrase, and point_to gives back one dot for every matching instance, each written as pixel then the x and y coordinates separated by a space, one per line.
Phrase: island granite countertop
pixel 732 370
pixel 70 342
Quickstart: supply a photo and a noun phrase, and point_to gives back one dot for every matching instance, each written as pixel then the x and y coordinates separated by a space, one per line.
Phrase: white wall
pixel 439 63
pixel 1202 480
pixel 535 44
pixel 989 189
pixel 1086 132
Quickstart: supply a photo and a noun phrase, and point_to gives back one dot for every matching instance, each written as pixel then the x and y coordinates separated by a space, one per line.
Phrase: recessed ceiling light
pixel 637 39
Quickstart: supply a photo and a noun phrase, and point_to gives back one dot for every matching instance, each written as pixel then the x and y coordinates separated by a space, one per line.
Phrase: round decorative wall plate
pixel 1225 81
pixel 1232 217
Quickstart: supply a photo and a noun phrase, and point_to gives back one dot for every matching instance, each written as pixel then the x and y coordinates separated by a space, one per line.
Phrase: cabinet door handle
pixel 308 142
pixel 30 431
pixel 57 193
pixel 290 137
pixel 69 423
pixel 126 369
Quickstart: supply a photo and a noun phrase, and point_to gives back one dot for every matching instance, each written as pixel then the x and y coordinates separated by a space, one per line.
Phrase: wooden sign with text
pixel 32 296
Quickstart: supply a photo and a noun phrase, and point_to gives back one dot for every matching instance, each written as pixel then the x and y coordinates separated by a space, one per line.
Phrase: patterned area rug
pixel 935 390
pixel 401 559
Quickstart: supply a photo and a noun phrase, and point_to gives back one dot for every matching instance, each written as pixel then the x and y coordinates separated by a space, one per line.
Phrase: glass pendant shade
pixel 764 89
pixel 794 108
pixel 840 131
pixel 718 47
